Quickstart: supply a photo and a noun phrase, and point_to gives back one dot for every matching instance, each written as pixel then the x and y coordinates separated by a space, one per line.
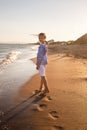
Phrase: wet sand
pixel 65 107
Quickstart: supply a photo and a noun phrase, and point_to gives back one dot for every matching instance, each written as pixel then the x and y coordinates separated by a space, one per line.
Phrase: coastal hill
pixel 82 39
pixel 77 49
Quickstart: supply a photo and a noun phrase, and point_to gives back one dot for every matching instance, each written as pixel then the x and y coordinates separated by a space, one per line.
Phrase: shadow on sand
pixel 9 116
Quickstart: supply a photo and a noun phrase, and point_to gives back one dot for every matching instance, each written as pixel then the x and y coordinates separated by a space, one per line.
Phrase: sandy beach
pixel 64 108
pixel 35 34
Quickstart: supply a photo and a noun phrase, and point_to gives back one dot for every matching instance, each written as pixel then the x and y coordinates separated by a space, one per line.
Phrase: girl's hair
pixel 42 34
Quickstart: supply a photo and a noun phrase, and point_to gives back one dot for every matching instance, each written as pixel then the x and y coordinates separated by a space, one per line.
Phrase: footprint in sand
pixel 43 105
pixel 36 107
pixel 35 91
pixel 56 127
pixel 48 98
pixel 53 115
pixel 39 107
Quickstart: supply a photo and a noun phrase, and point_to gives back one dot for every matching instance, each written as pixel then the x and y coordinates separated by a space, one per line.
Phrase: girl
pixel 42 61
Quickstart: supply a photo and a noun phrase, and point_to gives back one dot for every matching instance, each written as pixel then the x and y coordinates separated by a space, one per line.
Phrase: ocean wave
pixel 10 57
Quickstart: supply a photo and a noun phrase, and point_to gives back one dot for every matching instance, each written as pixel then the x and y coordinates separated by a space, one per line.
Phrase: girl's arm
pixel 38 63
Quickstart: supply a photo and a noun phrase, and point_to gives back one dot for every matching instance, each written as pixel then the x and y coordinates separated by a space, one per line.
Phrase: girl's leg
pixel 45 84
pixel 43 79
pixel 41 84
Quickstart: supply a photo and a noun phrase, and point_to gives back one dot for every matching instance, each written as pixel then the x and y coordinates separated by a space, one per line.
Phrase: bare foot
pixel 46 91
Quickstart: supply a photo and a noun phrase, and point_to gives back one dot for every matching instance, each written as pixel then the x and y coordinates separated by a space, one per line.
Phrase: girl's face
pixel 42 39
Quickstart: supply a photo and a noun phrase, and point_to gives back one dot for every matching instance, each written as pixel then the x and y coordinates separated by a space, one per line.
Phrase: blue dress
pixel 42 54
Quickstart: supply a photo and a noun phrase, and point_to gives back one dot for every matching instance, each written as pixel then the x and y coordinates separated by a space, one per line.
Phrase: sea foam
pixel 10 58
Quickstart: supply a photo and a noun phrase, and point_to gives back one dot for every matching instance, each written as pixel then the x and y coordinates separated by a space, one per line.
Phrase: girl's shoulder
pixel 43 46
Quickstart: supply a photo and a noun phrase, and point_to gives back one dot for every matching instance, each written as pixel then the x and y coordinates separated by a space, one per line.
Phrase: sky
pixel 61 20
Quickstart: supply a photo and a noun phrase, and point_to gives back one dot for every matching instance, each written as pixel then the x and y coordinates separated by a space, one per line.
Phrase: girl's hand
pixel 37 67
pixel 38 64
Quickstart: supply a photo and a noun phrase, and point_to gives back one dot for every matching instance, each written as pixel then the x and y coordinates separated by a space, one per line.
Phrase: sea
pixel 16 66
